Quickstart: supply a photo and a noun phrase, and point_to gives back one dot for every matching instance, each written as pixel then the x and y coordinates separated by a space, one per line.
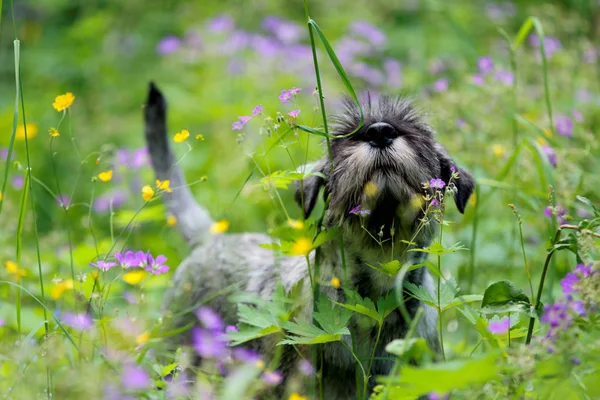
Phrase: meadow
pixel 512 89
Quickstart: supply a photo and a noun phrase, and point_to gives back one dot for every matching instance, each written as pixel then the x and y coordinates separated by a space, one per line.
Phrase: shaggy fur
pixel 393 152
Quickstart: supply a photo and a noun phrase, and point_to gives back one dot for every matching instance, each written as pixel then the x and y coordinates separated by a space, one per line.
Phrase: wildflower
pixel 103 265
pixel 13 269
pixel 485 65
pixel 550 154
pixel 157 266
pixel 441 85
pixel 129 259
pixel 294 113
pixel 505 77
pixel 369 32
pixel 436 183
pixel 168 45
pixel 114 199
pixel 286 95
pixel 247 356
pixel 134 277
pixel 231 328
pixel 142 259
pixel 209 319
pixel 260 364
pixel 171 220
pixel 209 345
pixel 257 110
pixel 335 282
pixel 498 150
pixel 221 23
pixel 564 125
pixel 576 361
pixel 219 227
pixel 578 308
pixel 568 283
pixel 477 79
pixel 53 132
pixel 370 189
pixel 301 247
pixel 306 368
pixel 296 396
pixel 272 377
pixel 499 327
pixel 434 203
pixel 584 270
pixel 199 137
pixel 31 128
pixel 237 126
pixel 63 101
pixel 295 224
pixel 181 136
pixel 147 192
pixel 62 200
pixel 134 378
pixel 17 182
pixel 61 287
pixel 105 176
pixel 244 119
pixel 578 116
pixel 164 185
pixel 560 212
pixel 80 322
pixel 142 338
pixel 556 315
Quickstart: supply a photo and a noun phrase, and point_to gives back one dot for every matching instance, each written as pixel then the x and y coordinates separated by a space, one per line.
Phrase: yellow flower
pixel 60 288
pixel 171 220
pixel 53 132
pixel 335 282
pixel 295 224
pixel 95 275
pixel 32 131
pixel 540 141
pixel 301 247
pixel 199 137
pixel 63 101
pixel 13 268
pixel 296 396
pixel 164 185
pixel 219 227
pixel 1 196
pixel 142 338
pixel 134 277
pixel 370 189
pixel 498 150
pixel 181 136
pixel 105 176
pixel 147 192
pixel 260 364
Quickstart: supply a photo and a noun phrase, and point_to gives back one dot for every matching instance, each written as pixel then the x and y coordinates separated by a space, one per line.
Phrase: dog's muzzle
pixel 381 135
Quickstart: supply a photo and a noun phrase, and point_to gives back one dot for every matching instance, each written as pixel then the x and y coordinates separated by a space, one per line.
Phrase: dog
pixel 391 154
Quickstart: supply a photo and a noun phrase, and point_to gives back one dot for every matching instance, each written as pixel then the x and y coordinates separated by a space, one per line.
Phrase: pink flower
pixel 294 113
pixel 257 110
pixel 237 126
pixel 244 119
pixel 499 327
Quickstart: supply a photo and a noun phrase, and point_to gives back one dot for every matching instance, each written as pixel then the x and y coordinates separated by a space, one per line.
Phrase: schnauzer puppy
pixel 381 168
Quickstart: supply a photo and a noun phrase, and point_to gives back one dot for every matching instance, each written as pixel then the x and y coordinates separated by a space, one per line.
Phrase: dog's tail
pixel 192 220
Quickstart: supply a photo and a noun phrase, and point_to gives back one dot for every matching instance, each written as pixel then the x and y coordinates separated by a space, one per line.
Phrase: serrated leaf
pixel 247 333
pixel 457 301
pixel 503 292
pixel 438 249
pixel 325 338
pixel 332 319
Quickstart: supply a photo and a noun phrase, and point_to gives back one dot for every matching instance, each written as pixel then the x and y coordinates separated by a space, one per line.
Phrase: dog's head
pixel 382 166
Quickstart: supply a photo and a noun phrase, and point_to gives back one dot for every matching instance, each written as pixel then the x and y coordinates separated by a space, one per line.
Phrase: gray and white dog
pixel 392 153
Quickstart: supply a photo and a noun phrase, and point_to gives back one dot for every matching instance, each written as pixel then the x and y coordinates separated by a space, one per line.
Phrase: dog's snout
pixel 381 134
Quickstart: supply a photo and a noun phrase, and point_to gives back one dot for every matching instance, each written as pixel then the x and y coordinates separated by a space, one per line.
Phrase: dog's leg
pixel 192 220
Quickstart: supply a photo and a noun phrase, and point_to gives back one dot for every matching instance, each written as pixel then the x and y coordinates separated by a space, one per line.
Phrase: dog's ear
pixel 464 183
pixel 307 191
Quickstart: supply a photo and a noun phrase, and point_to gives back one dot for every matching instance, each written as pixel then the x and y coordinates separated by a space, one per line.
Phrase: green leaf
pixel 438 249
pixel 503 292
pixel 167 369
pixel 400 347
pixel 332 319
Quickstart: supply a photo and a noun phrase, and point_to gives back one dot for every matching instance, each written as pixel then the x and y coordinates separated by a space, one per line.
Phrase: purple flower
pixel 437 396
pixel 272 377
pixel 62 200
pixel 441 85
pixel 17 182
pixel 556 315
pixel 434 203
pixel 551 44
pixel 3 153
pixel 168 45
pixel 569 282
pixel 134 377
pixel 129 259
pixel 505 77
pixel 369 32
pixel 550 154
pixel 371 75
pixel 285 31
pixel 209 319
pixel 561 213
pixel 103 265
pixel 499 327
pixel 245 355
pixel 285 96
pixel 477 79
pixel 221 23
pixel 584 270
pixel 355 210
pixel 231 328
pixel 257 110
pixel 139 158
pixel 244 119
pixel 500 11
pixel 81 322
pixel 237 126
pixel 393 72
pixel 578 308
pixel 485 65
pixel 294 113
pixel 209 344
pixel 564 125
pixel 436 183
pixel 103 202
pixel 577 116
pixel 437 66
pixel 576 361
pixel 306 368
pixel 156 266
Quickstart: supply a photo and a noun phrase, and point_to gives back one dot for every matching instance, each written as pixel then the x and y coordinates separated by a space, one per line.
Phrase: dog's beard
pixel 385 183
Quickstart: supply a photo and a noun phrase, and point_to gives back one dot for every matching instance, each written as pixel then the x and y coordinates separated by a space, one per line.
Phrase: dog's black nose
pixel 381 134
